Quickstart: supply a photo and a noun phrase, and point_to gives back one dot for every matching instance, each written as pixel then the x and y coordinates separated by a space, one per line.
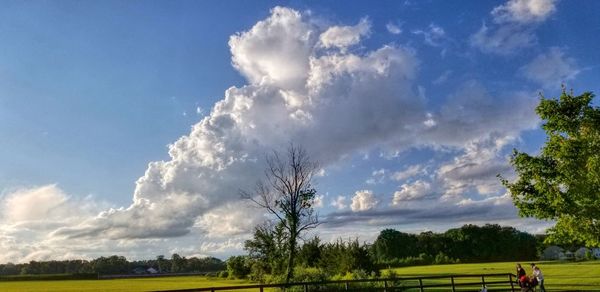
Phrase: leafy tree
pixel 339 257
pixel 392 244
pixel 112 265
pixel 287 194
pixel 562 183
pixel 161 263
pixel 178 263
pixel 238 267
pixel 268 245
pixel 310 252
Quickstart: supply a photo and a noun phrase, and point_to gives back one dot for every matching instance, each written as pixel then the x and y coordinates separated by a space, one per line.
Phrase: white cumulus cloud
pixel 412 191
pixel 345 36
pixel 524 11
pixel 363 200
pixel 513 28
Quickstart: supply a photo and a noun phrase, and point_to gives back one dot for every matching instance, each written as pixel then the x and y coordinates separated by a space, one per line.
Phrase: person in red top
pixel 521 275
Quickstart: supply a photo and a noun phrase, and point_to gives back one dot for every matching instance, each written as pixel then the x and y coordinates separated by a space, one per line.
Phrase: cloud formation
pixel 524 11
pixel 363 200
pixel 341 101
pixel 304 83
pixel 513 26
pixel 550 69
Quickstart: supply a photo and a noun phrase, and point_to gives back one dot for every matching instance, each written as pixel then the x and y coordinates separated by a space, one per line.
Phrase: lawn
pixel 139 284
pixel 559 277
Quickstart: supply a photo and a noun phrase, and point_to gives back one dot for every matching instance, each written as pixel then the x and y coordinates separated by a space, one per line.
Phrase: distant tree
pixel 288 194
pixel 178 263
pixel 112 265
pixel 392 244
pixel 161 263
pixel 562 183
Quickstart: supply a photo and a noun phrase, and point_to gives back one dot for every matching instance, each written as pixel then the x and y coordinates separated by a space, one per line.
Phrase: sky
pixel 130 127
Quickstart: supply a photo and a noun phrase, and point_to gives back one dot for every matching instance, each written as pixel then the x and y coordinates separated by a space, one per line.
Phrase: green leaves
pixel 562 183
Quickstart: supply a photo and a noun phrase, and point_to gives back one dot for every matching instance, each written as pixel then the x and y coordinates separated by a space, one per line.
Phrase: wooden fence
pixel 387 284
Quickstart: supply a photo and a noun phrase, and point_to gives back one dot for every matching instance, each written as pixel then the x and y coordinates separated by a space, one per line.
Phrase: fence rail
pixel 388 284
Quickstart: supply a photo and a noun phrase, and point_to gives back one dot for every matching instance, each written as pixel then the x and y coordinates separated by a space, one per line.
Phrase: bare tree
pixel 287 194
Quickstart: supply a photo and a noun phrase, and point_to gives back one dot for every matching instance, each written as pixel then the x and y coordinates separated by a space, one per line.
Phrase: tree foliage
pixel 562 182
pixel 470 243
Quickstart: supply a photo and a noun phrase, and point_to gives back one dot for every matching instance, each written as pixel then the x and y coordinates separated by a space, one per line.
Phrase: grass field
pixel 559 277
pixel 570 276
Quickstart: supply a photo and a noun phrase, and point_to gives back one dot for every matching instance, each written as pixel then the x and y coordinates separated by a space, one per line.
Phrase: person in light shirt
pixel 540 277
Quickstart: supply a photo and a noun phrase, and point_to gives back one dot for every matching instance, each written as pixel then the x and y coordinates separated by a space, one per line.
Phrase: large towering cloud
pixel 304 85
pixel 315 86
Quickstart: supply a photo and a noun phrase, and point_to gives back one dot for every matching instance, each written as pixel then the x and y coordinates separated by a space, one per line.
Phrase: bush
pixel 309 275
pixel 223 274
pixel 258 271
pixel 238 267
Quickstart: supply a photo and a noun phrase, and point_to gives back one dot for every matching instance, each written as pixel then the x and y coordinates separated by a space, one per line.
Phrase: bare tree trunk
pixel 291 257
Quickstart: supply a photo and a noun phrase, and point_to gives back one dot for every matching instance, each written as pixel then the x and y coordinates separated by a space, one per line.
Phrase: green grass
pixel 139 284
pixel 559 277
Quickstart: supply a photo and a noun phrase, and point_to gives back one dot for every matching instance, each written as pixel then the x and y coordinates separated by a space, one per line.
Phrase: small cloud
pixel 318 203
pixel 377 176
pixel 433 35
pixel 339 203
pixel 363 200
pixel 409 172
pixel 393 28
pixel 550 69
pixel 524 11
pixel 345 36
pixel 413 191
pixel 199 110
pixel 321 173
pixel 503 40
pixel 442 78
pixel 513 26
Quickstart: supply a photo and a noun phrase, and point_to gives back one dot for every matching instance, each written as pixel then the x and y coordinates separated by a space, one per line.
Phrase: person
pixel 520 272
pixel 537 273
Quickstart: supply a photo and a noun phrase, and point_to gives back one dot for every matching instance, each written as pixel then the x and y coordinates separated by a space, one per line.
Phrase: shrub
pixel 238 267
pixel 223 274
pixel 302 274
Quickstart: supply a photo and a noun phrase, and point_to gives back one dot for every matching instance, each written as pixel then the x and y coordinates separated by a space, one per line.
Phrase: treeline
pixel 469 243
pixel 115 265
pixel 351 259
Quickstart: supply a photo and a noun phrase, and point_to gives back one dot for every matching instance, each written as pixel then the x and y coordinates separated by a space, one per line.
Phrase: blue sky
pixel 411 106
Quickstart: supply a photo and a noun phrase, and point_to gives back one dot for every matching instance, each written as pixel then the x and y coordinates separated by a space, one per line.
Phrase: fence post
pixel 346 285
pixel 482 282
pixel 384 286
pixel 453 288
pixel 305 288
pixel 512 284
pixel 421 285
pixel 261 289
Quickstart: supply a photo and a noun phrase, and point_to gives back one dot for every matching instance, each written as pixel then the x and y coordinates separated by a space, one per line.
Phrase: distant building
pixel 567 256
pixel 139 271
pixel 552 252
pixel 152 271
pixel 581 253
